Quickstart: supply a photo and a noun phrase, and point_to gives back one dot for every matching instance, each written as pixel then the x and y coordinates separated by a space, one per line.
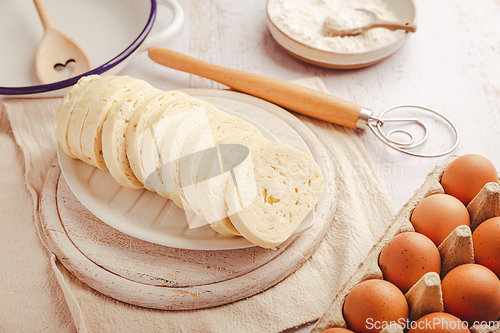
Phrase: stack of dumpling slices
pixel 204 160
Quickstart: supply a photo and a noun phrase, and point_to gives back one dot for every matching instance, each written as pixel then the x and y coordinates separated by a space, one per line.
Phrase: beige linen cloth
pixel 37 294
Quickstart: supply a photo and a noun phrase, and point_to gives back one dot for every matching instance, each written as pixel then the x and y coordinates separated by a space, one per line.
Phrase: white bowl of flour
pixel 297 26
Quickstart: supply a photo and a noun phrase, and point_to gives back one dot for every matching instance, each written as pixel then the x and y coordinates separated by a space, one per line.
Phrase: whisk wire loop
pixel 376 126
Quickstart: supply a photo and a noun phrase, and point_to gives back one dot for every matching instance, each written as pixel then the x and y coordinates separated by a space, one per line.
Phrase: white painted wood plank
pixel 452 63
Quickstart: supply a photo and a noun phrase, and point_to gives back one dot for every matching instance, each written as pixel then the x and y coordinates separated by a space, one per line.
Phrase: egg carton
pixel 425 296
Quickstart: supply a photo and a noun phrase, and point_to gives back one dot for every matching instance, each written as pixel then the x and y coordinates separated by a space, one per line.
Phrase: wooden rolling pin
pixel 292 96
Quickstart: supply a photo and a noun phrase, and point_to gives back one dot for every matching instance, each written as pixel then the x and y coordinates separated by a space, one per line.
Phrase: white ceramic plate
pixel 146 215
pixel 404 10
pixel 111 31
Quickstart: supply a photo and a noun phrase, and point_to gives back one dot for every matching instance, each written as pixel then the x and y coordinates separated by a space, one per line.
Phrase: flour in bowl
pixel 303 20
pixel 346 18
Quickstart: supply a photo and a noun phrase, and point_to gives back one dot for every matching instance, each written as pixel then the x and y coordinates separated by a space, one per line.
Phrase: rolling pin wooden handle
pixel 292 96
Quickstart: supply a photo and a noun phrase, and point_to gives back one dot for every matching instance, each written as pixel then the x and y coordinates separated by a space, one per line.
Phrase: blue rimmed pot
pixel 111 31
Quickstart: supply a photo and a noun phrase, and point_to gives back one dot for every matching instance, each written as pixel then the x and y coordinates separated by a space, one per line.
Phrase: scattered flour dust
pixel 303 20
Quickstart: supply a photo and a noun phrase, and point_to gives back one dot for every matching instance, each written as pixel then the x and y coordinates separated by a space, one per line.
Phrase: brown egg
pixel 486 241
pixel 467 175
pixel 438 215
pixel 438 322
pixel 472 293
pixel 372 302
pixel 407 257
pixel 337 330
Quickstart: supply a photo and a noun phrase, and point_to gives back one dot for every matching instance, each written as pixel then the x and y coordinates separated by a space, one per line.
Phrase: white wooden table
pixel 451 64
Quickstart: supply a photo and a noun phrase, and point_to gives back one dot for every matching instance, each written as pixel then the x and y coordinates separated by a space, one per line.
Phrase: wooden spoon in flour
pixel 361 21
pixel 57 50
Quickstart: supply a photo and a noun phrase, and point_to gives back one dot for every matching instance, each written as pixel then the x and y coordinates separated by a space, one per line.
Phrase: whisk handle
pixel 292 96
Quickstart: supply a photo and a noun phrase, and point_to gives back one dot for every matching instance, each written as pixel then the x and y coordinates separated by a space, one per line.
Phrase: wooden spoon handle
pixel 407 26
pixel 289 95
pixel 44 14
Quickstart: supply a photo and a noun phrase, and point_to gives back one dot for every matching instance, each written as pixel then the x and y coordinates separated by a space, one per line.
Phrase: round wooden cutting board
pixel 156 276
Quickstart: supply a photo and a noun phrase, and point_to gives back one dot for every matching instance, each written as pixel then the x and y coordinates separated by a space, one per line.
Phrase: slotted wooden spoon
pixel 57 49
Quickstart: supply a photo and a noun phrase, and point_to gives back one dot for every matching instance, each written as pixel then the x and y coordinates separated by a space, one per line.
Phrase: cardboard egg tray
pixel 425 296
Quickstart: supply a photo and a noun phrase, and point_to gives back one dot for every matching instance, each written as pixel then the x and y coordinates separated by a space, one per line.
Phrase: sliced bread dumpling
pixel 66 109
pixel 269 201
pixel 198 147
pixel 226 126
pixel 91 139
pixel 93 92
pixel 150 153
pixel 114 132
pixel 213 177
pixel 173 143
pixel 151 140
pixel 138 124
